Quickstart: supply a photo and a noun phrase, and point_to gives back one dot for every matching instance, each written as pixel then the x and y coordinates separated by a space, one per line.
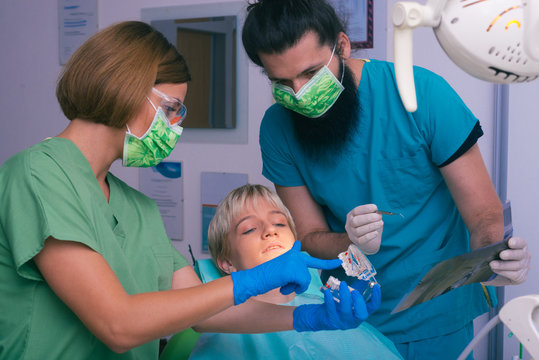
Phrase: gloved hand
pixel 364 228
pixel 288 271
pixel 513 267
pixel 348 313
pixel 362 286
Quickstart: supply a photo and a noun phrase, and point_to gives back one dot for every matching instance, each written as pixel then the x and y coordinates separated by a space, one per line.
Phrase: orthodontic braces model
pixel 355 264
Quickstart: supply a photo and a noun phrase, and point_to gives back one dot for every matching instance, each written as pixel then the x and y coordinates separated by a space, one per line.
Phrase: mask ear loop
pixel 343 68
pixel 332 53
pixel 151 103
pixel 342 60
pixel 129 130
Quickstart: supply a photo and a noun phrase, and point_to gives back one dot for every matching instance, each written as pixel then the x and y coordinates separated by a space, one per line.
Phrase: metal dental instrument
pixel 382 212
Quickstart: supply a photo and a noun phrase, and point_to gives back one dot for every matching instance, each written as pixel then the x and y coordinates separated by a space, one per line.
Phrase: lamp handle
pixel 406 16
pixel 531 29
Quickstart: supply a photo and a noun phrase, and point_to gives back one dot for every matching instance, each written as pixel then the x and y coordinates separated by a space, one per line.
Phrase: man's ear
pixel 226 265
pixel 344 46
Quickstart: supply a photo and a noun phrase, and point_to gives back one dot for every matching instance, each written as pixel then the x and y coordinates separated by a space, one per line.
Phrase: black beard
pixel 325 137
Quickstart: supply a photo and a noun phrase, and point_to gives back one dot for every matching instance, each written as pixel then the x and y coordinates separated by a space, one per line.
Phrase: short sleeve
pixel 179 260
pixel 476 133
pixel 39 201
pixel 277 145
pixel 442 117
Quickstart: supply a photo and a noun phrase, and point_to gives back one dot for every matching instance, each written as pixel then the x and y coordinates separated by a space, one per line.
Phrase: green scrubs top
pixel 50 190
pixel 392 161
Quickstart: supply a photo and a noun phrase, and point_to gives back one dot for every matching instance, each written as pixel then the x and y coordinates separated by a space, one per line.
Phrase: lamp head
pixel 487 39
pixel 495 40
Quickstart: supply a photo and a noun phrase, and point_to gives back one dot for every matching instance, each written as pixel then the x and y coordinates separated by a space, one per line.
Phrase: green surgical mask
pixel 155 145
pixel 315 97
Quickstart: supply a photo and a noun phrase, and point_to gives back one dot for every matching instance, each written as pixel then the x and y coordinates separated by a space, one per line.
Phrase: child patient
pixel 252 226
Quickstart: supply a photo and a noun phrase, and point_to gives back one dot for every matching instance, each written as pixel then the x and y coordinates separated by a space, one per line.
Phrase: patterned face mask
pixel 315 97
pixel 155 145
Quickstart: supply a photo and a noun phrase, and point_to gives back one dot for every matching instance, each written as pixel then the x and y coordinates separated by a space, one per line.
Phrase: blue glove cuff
pixel 299 317
pixel 241 291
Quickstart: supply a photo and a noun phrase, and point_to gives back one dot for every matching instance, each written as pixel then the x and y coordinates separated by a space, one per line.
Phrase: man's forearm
pixel 325 244
pixel 488 230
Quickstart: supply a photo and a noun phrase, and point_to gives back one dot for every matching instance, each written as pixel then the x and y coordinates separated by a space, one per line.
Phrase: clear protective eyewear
pixel 173 108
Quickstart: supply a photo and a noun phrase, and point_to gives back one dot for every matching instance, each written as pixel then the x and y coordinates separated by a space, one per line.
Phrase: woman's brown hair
pixel 108 77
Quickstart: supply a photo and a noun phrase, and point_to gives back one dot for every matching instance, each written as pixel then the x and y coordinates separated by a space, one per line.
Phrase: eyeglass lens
pixel 174 109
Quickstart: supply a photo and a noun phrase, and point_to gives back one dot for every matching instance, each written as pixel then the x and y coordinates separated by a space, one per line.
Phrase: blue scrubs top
pixel 392 161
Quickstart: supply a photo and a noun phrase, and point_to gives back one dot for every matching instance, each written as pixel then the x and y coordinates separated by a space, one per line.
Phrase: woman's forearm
pixel 148 316
pixel 120 320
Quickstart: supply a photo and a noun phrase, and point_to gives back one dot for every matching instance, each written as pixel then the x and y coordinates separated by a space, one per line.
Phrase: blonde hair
pixel 230 208
pixel 108 77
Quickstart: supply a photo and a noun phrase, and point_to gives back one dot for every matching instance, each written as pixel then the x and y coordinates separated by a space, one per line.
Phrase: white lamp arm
pixel 404 74
pixel 405 17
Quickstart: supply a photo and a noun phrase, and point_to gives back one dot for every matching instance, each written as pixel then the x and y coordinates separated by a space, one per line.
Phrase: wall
pixel 523 187
pixel 29 112
pixel 29 58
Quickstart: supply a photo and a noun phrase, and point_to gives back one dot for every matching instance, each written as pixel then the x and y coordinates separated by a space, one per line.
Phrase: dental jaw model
pixel 355 264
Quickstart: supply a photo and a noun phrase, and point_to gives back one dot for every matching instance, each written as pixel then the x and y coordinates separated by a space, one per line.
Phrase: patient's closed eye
pixel 248 231
pixel 279 220
pixel 248 226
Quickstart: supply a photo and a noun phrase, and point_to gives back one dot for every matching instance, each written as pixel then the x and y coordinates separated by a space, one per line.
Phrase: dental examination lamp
pixel 493 40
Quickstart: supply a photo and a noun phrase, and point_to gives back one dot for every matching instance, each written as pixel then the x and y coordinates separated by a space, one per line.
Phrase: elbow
pixel 119 349
pixel 204 326
pixel 212 324
pixel 118 339
pixel 118 344
pixel 199 328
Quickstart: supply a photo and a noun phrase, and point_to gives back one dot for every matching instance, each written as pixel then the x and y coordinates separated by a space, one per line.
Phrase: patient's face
pixel 258 235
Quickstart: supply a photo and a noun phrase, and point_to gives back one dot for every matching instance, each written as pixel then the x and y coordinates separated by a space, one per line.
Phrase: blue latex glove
pixel 349 313
pixel 362 286
pixel 375 299
pixel 288 271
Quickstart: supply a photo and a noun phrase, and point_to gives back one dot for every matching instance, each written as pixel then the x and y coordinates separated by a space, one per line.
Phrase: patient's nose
pixel 270 230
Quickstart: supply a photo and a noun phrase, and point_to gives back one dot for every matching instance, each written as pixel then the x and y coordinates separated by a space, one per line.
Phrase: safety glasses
pixel 174 109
